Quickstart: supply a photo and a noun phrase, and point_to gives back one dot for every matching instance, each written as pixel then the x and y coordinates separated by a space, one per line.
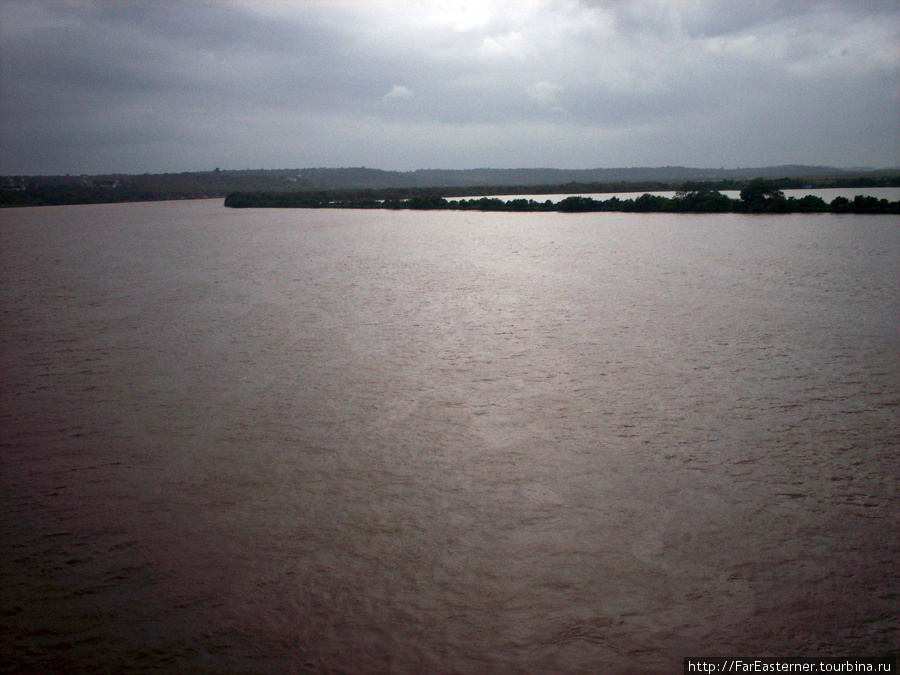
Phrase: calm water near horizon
pixel 328 441
pixel 892 194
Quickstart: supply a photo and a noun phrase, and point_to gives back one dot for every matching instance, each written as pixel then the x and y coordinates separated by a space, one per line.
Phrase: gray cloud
pixel 168 86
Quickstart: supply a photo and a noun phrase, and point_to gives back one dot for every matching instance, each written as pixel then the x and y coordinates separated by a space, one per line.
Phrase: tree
pixel 703 200
pixel 759 189
pixel 760 195
pixel 427 202
pixel 651 203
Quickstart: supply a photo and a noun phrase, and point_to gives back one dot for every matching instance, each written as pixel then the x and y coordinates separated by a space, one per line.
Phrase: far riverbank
pixel 758 196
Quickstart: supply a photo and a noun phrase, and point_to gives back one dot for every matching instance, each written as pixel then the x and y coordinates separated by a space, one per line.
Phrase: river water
pixel 892 194
pixel 289 441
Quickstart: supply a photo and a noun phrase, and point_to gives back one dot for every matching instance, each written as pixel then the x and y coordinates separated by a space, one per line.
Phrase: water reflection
pixel 346 441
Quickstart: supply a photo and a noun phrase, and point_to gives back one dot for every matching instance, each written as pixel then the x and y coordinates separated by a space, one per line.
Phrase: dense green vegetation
pixel 373 184
pixel 58 190
pixel 756 196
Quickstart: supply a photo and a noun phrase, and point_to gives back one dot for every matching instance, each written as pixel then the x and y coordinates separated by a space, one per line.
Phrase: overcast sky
pixel 159 86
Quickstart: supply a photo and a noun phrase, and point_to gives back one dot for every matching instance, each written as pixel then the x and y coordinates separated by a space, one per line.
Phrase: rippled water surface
pixel 285 441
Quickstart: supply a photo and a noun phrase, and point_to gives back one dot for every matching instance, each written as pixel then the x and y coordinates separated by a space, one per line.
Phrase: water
pixel 828 194
pixel 283 441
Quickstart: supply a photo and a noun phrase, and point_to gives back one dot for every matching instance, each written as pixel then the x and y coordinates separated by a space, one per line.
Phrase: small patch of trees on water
pixel 757 196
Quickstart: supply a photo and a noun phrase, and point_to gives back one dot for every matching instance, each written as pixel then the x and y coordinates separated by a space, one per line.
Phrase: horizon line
pixel 480 168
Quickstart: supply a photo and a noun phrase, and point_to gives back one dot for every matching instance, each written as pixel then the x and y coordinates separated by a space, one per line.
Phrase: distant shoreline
pixel 373 184
pixel 765 199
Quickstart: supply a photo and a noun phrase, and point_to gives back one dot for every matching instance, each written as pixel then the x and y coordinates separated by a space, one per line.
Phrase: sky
pixel 158 86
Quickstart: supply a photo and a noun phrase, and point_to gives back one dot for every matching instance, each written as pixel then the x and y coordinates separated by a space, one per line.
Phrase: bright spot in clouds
pixel 398 91
pixel 545 93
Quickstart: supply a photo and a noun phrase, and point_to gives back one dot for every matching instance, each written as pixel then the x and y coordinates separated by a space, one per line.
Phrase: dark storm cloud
pixel 154 86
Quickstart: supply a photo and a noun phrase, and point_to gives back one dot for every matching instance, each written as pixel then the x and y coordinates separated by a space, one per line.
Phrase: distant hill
pixel 361 178
pixel 629 175
pixel 39 190
pixel 375 178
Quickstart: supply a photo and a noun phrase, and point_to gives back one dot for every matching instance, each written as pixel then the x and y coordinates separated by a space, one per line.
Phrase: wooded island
pixel 757 196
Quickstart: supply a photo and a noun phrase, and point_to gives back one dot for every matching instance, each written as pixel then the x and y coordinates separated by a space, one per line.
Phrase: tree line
pixel 757 196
